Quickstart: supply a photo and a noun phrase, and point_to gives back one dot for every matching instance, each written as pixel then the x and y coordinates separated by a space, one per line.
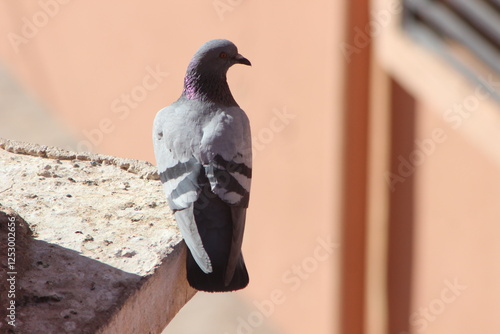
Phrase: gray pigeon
pixel 203 150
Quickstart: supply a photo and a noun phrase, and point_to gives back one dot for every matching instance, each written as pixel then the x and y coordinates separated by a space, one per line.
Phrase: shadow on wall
pixel 24 117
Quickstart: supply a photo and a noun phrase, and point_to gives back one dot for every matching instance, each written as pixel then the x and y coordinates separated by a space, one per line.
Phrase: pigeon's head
pixel 206 74
pixel 216 57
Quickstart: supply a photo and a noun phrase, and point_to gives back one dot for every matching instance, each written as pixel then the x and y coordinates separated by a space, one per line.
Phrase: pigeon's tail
pixel 215 281
pixel 220 227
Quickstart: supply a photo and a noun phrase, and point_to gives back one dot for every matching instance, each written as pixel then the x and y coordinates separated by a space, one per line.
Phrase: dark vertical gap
pixel 355 152
pixel 402 210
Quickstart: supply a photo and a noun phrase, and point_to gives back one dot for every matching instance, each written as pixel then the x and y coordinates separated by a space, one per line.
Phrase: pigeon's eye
pixel 223 55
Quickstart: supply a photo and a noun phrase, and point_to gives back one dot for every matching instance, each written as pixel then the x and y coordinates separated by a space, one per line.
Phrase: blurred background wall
pixel 374 200
pixel 101 71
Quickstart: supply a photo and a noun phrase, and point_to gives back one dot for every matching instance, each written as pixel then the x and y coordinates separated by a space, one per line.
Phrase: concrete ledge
pixel 96 246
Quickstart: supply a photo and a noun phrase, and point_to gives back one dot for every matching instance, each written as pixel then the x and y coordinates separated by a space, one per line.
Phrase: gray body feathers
pixel 204 158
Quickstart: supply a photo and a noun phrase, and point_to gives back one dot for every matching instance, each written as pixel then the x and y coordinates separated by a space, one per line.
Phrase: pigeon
pixel 203 149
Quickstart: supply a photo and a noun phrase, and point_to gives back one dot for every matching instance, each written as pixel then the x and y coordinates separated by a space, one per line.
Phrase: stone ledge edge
pixel 142 168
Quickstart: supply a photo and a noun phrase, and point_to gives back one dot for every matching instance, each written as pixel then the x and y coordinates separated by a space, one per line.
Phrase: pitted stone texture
pixel 101 228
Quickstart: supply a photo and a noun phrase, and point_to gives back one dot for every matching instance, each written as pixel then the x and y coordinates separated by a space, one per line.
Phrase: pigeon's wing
pixel 179 171
pixel 226 153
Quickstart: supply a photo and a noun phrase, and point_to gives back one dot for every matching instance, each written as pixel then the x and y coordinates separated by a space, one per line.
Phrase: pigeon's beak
pixel 242 60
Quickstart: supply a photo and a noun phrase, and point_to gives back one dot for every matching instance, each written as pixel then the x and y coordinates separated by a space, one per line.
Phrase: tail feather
pixel 215 281
pixel 220 227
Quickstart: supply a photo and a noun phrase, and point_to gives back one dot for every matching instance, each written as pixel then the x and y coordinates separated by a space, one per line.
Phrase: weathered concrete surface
pixel 101 251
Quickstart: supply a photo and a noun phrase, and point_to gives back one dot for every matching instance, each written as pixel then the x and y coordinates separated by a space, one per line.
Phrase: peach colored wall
pixel 456 270
pixel 84 58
